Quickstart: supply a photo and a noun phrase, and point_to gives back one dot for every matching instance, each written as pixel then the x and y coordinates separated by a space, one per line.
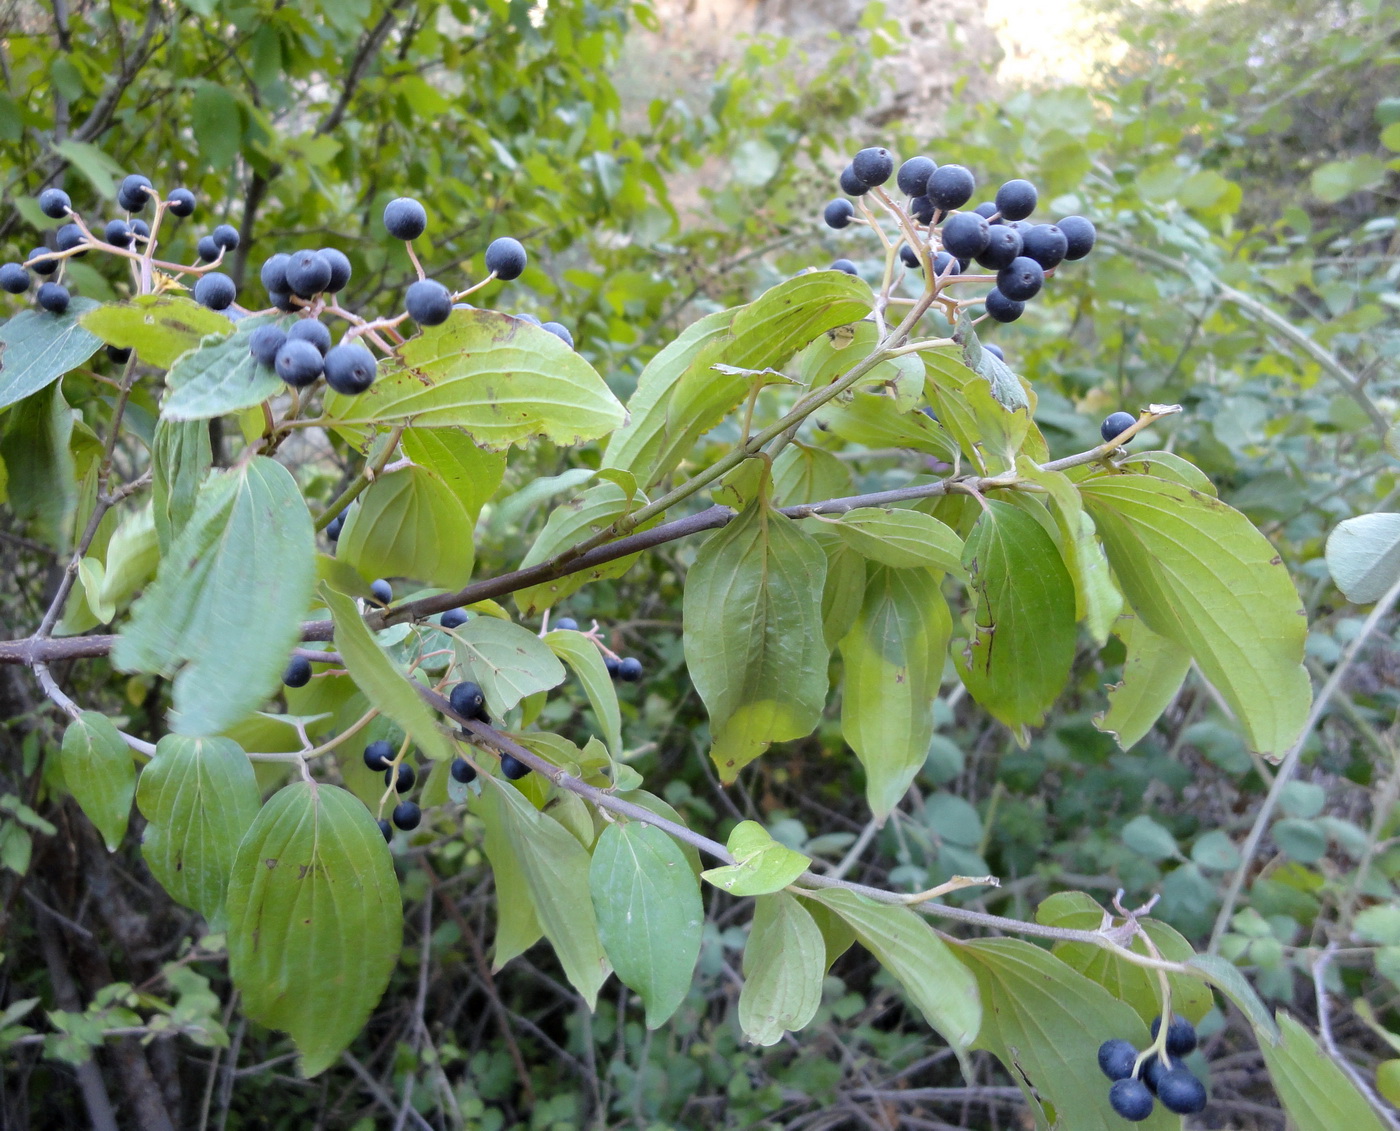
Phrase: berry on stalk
pixel 215 290
pixel 1021 279
pixel 453 618
pixel 208 249
pixel 1131 1099
pixel 298 363
pixel 350 368
pixel 873 165
pixel 54 203
pixel 133 195
pixel 118 233
pixel 381 591
pixel 68 237
pixel 298 673
pixel 181 202
pixel 1003 245
pixel 1116 1056
pixel 310 330
pixel 403 781
pixel 1180 1091
pixel 965 235
pixel 405 218
pixel 950 187
pixel 1001 308
pixel 908 256
pixel 428 302
pixel 838 213
pixel 560 331
pixel 379 755
pixel 506 258
pixel 274 273
pixel 308 273
pixel 52 297
pixel 1080 235
pixel 1113 427
pixel 845 266
pixel 41 262
pixel 463 771
pixel 1016 199
pixel 1181 1034
pixel 14 278
pixel 1044 243
pixel 512 768
pixel 851 184
pixel 407 815
pixel 913 175
pixel 468 701
pixel 340 268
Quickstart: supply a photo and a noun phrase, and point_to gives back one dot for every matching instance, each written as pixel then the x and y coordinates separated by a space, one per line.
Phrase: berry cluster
pixel 628 669
pixel 379 758
pixel 469 702
pixel 940 234
pixel 1138 1079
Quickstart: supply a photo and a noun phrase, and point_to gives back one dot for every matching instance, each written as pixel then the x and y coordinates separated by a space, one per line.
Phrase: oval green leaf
pixel 37 348
pixel 158 327
pixel 98 770
pixel 784 963
pixel 409 523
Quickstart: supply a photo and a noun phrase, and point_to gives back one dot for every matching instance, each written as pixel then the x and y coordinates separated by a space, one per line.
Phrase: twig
pixel 1324 1029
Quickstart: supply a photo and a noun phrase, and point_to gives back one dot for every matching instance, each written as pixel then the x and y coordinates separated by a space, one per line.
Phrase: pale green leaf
pixel 387 688
pixel 1363 555
pixel 517 926
pixel 762 864
pixel 158 327
pixel 98 771
pixel 498 378
pixel 132 557
pixel 843 591
pixel 918 958
pixel 508 661
pixel 893 658
pixel 408 523
pixel 315 919
pixel 804 474
pixel 874 420
pixel 37 348
pixel 647 904
pixel 784 962
pixel 223 613
pixel 180 459
pixel 472 473
pixel 43 479
pixel 582 655
pixel 1315 1092
pixel 199 797
pixel 1226 978
pixel 221 375
pixel 753 635
pixel 1195 571
pixel 1152 675
pixel 901 538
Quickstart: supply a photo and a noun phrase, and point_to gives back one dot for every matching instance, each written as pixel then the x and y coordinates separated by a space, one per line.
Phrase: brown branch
pixel 369 47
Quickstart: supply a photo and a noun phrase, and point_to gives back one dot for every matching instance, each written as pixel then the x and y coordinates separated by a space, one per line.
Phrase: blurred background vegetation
pixel 661 161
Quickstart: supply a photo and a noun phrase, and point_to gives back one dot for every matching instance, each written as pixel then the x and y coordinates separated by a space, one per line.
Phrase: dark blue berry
pixel 560 331
pixel 379 755
pixel 994 350
pixel 308 273
pixel 264 342
pixel 283 301
pixel 629 669
pixel 844 265
pixel 381 591
pixel 512 768
pixel 428 302
pixel 909 257
pixel 274 273
pixel 1181 1092
pixel 407 815
pixel 118 354
pixel 566 624
pixel 453 618
pixel 965 235
pixel 215 290
pixel 54 203
pixel 950 187
pixel 851 184
pixel 1181 1034
pixel 133 195
pixel 1080 235
pixel 838 213
pixel 1131 1099
pixel 1110 430
pixel 208 249
pixel 334 527
pixel 52 297
pixel 1021 279
pixel 463 771
pixel 941 262
pixel 181 202
pixel 340 268
pixel 42 263
pixel 913 175
pixel 873 165
pixel 1044 243
pixel 14 278
pixel 310 330
pixel 118 233
pixel 226 236
pixel 140 229
pixel 405 218
pixel 530 318
pixel 506 258
pixel 1151 1072
pixel 386 828
pixel 1116 1059
pixel 922 209
pixel 298 673
pixel 612 663
pixel 68 237
pixel 403 780
pixel 298 363
pixel 986 210
pixel 1016 199
pixel 1003 245
pixel 1003 309
pixel 350 368
pixel 468 701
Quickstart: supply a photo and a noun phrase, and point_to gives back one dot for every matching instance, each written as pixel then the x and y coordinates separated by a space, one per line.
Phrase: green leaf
pixel 784 962
pixel 42 486
pixel 387 688
pixel 180 459
pixel 900 538
pixel 556 871
pixel 517 926
pixel 409 524
pixel 158 327
pixel 99 169
pixel 1023 643
pixel 1226 978
pixel 582 655
pixel 568 524
pixel 918 958
pixel 98 770
pixel 498 378
pixel 804 474
pixel 132 557
pixel 762 864
pixel 1195 571
pixel 1336 180
pixel 1145 836
pixel 216 125
pixel 223 612
pixel 1168 465
pixel 37 348
pixel 1045 1023
pixel 843 591
pixel 874 420
pixel 199 797
pixel 1152 675
pixel 647 903
pixel 508 661
pixel 650 444
pixel 1363 555
pixel 1136 985
pixel 220 375
pixel 893 657
pixel 472 473
pixel 786 317
pixel 315 919
pixel 753 635
pixel 1315 1092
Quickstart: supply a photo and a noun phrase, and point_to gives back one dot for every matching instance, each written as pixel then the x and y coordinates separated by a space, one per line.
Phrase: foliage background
pixel 1244 143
